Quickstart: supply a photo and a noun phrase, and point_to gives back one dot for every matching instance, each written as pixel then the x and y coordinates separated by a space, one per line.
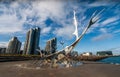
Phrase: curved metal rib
pixel 68 49
pixel 72 46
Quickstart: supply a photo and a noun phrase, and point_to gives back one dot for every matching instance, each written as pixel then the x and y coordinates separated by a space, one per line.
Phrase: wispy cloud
pixel 35 13
pixel 104 33
pixel 116 51
pixel 117 31
pixel 100 3
pixel 3 44
pixel 22 46
pixel 46 30
pixel 102 37
pixel 65 31
pixel 103 30
pixel 109 20
pixel 10 24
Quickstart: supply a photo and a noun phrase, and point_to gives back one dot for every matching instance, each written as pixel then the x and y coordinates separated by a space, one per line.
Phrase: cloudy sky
pixel 55 18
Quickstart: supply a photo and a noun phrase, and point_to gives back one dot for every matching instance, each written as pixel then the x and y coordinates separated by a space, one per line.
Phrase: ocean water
pixel 111 60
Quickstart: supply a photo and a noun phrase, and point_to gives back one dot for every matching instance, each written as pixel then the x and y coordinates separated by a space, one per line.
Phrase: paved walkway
pixel 89 69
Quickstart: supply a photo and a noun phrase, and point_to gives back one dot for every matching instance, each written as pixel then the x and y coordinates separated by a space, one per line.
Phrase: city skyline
pixel 55 18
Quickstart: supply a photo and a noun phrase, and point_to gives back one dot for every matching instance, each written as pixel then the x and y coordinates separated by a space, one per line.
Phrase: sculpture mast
pixel 76 25
pixel 92 21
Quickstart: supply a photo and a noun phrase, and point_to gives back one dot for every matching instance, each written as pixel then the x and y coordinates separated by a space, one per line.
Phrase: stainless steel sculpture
pixel 61 54
pixel 68 49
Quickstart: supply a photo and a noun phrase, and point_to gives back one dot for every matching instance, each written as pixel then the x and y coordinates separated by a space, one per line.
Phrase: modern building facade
pixel 2 50
pixel 32 41
pixel 73 53
pixel 104 53
pixel 87 54
pixel 14 46
pixel 51 46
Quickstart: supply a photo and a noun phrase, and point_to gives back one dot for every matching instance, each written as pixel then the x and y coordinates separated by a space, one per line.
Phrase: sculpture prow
pixel 72 46
pixel 68 49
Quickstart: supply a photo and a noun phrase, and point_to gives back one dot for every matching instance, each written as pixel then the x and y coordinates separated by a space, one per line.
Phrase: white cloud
pixel 117 31
pixel 55 10
pixel 22 46
pixel 3 44
pixel 65 32
pixel 100 3
pixel 102 37
pixel 10 24
pixel 40 9
pixel 103 30
pixel 49 9
pixel 116 49
pixel 45 30
pixel 110 20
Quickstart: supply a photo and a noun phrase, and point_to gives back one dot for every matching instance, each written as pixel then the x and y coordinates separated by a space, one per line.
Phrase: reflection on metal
pixel 76 25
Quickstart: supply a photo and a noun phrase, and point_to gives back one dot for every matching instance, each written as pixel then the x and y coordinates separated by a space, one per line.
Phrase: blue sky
pixel 55 18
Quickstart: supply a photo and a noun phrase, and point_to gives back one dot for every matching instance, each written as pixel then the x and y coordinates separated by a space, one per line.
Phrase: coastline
pixel 88 69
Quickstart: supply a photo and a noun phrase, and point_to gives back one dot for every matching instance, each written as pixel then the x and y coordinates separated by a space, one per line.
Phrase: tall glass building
pixel 51 46
pixel 32 41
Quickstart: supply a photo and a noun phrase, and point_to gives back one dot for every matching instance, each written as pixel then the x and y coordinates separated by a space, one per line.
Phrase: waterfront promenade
pixel 88 69
pixel 5 58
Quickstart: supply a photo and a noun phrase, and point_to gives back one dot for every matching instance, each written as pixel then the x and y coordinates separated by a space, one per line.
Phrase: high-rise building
pixel 14 46
pixel 32 41
pixel 2 50
pixel 51 46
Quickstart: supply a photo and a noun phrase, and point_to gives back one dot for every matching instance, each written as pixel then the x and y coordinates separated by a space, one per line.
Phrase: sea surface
pixel 111 60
